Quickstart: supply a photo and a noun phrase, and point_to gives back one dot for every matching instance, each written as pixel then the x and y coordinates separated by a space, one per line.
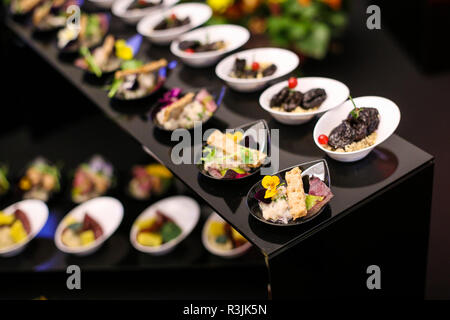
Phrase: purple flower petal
pixel 135 43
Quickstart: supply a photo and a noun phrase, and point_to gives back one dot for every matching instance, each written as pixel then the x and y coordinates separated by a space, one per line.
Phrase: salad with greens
pixel 41 180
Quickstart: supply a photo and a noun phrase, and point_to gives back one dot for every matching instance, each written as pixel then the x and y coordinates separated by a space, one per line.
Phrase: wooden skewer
pixel 147 68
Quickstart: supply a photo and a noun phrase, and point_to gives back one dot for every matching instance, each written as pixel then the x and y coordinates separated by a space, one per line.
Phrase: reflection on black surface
pixel 299 141
pixel 201 79
pixel 376 167
pixel 101 81
pixel 281 234
pixel 37 252
pixel 243 104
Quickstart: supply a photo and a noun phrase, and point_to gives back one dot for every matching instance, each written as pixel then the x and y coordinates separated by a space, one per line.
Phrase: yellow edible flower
pixel 24 184
pixel 270 183
pixel 6 219
pixel 17 232
pixel 220 6
pixel 237 136
pixel 123 51
pixel 87 237
pixel 158 170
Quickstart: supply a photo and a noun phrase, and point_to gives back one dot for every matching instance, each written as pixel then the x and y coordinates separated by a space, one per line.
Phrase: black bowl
pixel 317 168
pixel 263 146
pixel 159 106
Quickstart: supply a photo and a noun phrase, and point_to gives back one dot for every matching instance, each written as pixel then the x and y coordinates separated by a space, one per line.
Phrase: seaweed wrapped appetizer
pixel 195 46
pixel 4 183
pixel 172 21
pixel 229 156
pixel 291 100
pixel 154 179
pixel 109 56
pixel 93 27
pixel 40 181
pixel 224 237
pixel 81 233
pixel 157 230
pixel 22 7
pixel 356 132
pixel 144 4
pixel 292 199
pixel 255 70
pixel 92 179
pixel 178 110
pixel 14 228
pixel 136 80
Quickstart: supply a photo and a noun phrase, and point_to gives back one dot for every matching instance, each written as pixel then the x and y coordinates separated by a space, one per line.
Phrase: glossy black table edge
pixel 21 32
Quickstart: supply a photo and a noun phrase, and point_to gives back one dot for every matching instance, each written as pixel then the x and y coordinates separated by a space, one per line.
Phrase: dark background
pixel 406 61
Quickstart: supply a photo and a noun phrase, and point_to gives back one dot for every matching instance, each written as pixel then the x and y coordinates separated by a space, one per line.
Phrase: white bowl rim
pixel 172 243
pixel 98 242
pixel 228 253
pixel 379 141
pixel 209 54
pixel 298 115
pixel 32 235
pixel 227 78
pixel 119 9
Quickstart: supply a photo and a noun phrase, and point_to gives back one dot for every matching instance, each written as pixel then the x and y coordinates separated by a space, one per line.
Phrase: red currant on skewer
pixel 255 66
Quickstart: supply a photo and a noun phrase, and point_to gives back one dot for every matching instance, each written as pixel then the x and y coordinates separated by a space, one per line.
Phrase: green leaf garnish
pixel 131 64
pixel 92 65
pixel 114 87
pixel 355 111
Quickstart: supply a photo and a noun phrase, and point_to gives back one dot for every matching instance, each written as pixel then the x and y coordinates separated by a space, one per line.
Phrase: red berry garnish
pixel 292 82
pixel 189 50
pixel 323 139
pixel 173 16
pixel 255 66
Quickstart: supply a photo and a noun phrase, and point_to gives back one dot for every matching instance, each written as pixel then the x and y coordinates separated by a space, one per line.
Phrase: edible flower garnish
pixel 237 136
pixel 123 51
pixel 270 183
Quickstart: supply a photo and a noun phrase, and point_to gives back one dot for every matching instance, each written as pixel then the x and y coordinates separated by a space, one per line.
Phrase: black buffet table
pixel 365 223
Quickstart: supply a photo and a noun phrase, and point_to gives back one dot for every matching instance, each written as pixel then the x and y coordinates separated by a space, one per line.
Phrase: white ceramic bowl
pixel 107 211
pixel 389 120
pixel 37 214
pixel 184 211
pixel 337 93
pixel 233 35
pixel 234 253
pixel 199 13
pixel 106 4
pixel 285 60
pixel 119 9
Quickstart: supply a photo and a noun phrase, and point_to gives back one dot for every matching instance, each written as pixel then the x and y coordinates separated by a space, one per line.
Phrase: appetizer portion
pixel 223 237
pixel 153 179
pixel 255 70
pixel 229 156
pixel 14 228
pixel 195 46
pixel 157 230
pixel 51 15
pixel 21 7
pixel 180 110
pixel 4 183
pixel 292 199
pixel 356 132
pixel 92 179
pixel 143 4
pixel 93 27
pixel 137 80
pixel 172 21
pixel 40 181
pixel 291 100
pixel 101 60
pixel 81 233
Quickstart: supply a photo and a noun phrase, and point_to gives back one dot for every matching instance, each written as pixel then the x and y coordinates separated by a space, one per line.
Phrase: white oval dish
pixel 233 35
pixel 119 9
pixel 105 4
pixel 234 253
pixel 199 13
pixel 37 214
pixel 184 211
pixel 107 211
pixel 337 93
pixel 389 120
pixel 285 60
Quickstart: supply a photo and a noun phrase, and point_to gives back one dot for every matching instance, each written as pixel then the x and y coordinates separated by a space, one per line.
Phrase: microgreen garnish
pixel 355 111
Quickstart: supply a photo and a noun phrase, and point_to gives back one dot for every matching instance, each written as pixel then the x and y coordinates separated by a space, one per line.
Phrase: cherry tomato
pixel 189 50
pixel 323 139
pixel 173 16
pixel 255 66
pixel 292 82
